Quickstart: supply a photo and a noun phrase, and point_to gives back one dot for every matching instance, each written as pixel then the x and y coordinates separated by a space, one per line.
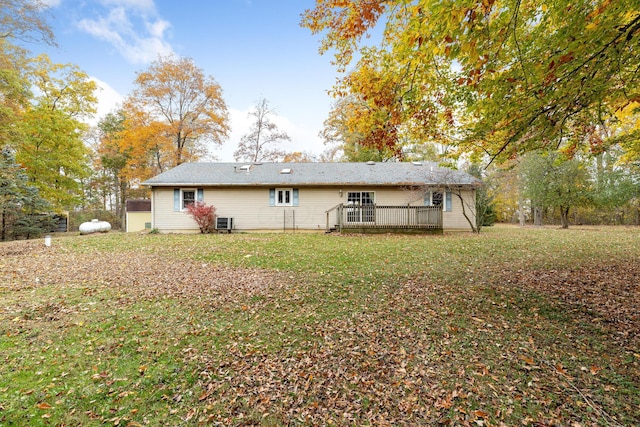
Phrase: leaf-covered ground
pixel 517 326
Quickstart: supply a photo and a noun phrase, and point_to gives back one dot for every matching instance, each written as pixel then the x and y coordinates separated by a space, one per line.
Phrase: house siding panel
pixel 165 218
pixel 250 207
pixel 137 221
pixel 455 220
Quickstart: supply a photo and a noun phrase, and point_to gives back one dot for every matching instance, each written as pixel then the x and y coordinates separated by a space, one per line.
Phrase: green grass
pixel 347 330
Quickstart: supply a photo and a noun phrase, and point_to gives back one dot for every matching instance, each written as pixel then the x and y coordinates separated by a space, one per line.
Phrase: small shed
pixel 138 215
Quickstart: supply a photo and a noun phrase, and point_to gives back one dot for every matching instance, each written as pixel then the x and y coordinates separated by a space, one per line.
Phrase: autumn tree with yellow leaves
pixel 176 112
pixel 508 76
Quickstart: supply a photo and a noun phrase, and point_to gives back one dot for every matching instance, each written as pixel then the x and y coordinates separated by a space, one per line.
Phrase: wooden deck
pixel 384 219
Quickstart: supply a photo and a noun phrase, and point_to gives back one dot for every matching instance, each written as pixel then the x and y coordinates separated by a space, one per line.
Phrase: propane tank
pixel 94 226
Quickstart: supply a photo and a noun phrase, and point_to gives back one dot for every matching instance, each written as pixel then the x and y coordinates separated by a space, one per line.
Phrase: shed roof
pixel 311 174
pixel 138 205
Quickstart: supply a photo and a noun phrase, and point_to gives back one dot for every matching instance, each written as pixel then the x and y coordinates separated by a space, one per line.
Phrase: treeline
pixel 552 128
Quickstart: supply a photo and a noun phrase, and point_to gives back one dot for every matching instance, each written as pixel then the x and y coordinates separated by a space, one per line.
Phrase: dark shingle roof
pixel 139 205
pixel 300 174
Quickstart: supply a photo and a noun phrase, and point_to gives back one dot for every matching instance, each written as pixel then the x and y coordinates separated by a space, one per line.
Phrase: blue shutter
pixel 272 197
pixel 200 195
pixel 427 198
pixel 447 202
pixel 176 199
pixel 295 197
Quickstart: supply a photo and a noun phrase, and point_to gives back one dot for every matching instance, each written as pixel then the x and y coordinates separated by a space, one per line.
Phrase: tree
pixel 22 211
pixel 473 209
pixel 150 148
pixel 257 145
pixel 20 21
pixel 551 180
pixel 299 157
pixel 616 184
pixel 485 197
pixel 345 130
pixel 14 91
pixel 113 158
pixel 25 20
pixel 51 147
pixel 181 105
pixel 512 77
pixel 204 215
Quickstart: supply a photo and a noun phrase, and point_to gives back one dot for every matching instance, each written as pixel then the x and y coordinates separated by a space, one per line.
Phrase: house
pixel 315 196
pixel 138 215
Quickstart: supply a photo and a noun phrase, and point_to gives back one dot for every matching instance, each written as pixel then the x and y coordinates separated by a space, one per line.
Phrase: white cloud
pixel 142 5
pixel 51 3
pixel 108 100
pixel 133 28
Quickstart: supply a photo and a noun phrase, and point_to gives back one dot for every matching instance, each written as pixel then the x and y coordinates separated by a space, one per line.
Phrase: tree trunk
pixel 3 232
pixel 564 216
pixel 521 211
pixel 537 216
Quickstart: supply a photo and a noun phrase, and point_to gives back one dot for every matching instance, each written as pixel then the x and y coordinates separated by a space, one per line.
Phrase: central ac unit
pixel 224 224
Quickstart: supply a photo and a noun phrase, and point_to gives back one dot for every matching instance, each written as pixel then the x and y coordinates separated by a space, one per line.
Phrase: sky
pixel 253 48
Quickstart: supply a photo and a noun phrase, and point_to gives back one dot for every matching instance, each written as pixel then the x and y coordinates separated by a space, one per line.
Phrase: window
pixel 186 196
pixel 438 198
pixel 360 206
pixel 283 197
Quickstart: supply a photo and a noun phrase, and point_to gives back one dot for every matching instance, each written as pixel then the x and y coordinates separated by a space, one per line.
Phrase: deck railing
pixel 370 217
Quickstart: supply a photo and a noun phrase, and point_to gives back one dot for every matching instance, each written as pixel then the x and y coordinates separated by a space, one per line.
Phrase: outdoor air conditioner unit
pixel 224 224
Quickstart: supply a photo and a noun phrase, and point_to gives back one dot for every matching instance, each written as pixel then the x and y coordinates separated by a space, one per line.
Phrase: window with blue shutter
pixel 176 200
pixel 283 197
pixel 447 201
pixel 427 198
pixel 437 198
pixel 186 196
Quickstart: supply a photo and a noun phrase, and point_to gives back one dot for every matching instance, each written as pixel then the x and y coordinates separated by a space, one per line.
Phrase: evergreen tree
pixel 23 213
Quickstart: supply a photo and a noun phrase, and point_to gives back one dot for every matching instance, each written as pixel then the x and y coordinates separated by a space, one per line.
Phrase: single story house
pixel 315 196
pixel 138 215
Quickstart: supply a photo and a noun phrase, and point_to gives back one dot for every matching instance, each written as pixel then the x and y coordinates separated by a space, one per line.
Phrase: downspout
pixel 153 210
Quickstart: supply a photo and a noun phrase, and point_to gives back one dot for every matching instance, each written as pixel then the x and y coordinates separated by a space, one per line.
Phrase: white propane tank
pixel 94 226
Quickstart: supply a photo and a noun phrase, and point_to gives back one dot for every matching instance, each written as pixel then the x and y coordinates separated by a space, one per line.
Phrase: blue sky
pixel 253 48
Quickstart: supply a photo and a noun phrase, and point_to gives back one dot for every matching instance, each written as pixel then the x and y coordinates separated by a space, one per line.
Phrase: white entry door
pixel 360 206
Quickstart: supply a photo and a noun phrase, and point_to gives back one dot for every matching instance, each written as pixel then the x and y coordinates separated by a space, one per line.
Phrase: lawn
pixel 533 326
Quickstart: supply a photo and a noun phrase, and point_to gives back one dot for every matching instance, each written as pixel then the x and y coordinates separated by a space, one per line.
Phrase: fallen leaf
pixel 480 414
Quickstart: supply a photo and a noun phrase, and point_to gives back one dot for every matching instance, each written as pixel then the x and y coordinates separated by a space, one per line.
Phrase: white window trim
pixel 360 191
pixel 195 197
pixel 278 190
pixel 444 199
pixel 357 212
